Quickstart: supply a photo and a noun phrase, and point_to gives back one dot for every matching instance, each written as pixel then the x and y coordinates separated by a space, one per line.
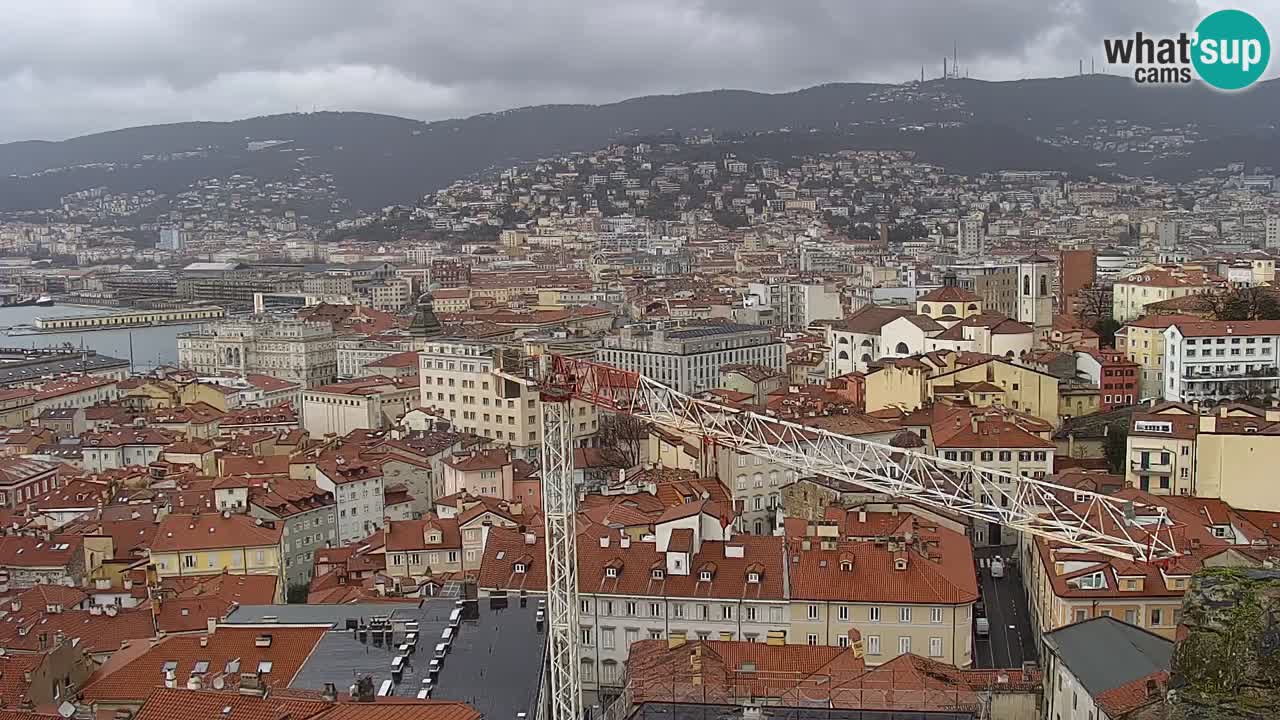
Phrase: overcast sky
pixel 69 67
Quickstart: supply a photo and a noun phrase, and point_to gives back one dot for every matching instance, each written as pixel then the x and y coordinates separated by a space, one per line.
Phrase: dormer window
pixel 520 568
pixel 658 574
pixel 611 572
pixel 1220 531
pixel 753 577
pixel 846 565
pixel 1094 581
pixel 704 576
pixel 900 564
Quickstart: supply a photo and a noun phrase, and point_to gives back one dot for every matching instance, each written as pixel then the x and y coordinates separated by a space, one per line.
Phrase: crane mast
pixel 559 508
pixel 1088 521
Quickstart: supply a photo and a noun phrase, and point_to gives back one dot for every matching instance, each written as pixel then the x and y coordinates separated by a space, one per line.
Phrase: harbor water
pixel 152 346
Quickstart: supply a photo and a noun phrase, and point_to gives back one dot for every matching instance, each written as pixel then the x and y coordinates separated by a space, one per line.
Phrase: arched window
pixel 843 340
pixel 902 349
pixel 866 342
pixel 973 307
pixel 924 309
pixel 948 309
pixel 1026 284
pixel 866 358
pixel 1044 285
pixel 844 355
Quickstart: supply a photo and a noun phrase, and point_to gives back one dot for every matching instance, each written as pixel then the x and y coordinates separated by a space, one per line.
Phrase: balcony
pixel 1152 466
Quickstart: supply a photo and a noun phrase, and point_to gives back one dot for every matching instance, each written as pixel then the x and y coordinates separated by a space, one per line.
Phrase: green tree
pixel 1106 328
pixel 1115 448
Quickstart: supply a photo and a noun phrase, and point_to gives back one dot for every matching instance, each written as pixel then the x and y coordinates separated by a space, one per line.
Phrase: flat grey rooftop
pixel 1104 653
pixel 494 664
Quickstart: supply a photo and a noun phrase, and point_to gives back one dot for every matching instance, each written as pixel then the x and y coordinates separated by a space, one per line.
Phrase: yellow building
pixel 16 406
pixel 1236 456
pixel 1142 342
pixel 1011 386
pixel 911 594
pixel 1153 283
pixel 213 543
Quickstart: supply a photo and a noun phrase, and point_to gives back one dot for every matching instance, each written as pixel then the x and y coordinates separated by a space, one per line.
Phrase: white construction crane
pixel 1078 518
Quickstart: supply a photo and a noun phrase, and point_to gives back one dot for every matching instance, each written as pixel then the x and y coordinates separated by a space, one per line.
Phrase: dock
pixel 129 319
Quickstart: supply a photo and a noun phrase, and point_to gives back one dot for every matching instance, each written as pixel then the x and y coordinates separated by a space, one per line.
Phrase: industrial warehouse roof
pixel 31 371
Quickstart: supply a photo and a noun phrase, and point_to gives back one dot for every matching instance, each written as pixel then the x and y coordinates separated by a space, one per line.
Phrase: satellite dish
pixel 66 709
pixel 219 683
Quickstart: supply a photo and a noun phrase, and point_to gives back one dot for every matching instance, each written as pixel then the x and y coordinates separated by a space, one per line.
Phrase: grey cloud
pixel 68 66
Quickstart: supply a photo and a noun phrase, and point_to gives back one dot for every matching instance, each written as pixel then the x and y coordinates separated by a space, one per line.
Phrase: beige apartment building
pixel 369 403
pixel 484 389
pixel 1142 342
pixel 1066 585
pixel 1133 292
pixel 902 581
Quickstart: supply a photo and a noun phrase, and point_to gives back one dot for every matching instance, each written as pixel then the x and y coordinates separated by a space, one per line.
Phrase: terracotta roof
pixel 289 649
pixel 949 294
pixel 182 704
pixel 104 633
pixel 944 577
pixel 411 535
pixel 1210 328
pixel 506 548
pixel 479 460
pixel 267 383
pixel 990 433
pixel 1132 695
pixel 1163 321
pixel 869 319
pixel 207 531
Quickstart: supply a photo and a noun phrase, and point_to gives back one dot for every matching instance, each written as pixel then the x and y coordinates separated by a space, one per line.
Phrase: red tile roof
pixel 289 649
pixel 728 579
pixel 408 535
pixel 210 531
pixel 861 571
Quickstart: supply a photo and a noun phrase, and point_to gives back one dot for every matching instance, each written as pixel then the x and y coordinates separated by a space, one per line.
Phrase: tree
pixel 730 220
pixel 1116 448
pixel 1249 303
pixel 1106 328
pixel 625 434
pixel 1092 305
pixel 297 593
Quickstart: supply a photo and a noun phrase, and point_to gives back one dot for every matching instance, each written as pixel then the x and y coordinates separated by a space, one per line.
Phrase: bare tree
pixel 625 434
pixel 1247 303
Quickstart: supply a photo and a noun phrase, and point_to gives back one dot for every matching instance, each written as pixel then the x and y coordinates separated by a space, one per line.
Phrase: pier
pixel 128 319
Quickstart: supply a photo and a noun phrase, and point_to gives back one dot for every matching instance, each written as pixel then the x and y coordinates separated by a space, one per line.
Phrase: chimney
pixel 330 693
pixel 973 424
pixel 1153 688
pixel 211 624
pixel 170 678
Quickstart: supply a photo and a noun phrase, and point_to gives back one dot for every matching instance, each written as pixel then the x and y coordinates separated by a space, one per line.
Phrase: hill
pixel 378 159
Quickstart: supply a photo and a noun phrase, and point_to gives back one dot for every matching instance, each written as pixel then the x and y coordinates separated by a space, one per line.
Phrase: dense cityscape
pixel 695 424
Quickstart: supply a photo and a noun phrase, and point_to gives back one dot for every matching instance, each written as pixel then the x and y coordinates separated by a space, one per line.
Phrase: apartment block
pixel 487 390
pixel 688 358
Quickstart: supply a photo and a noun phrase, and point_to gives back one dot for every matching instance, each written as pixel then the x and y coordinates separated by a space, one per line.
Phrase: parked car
pixel 997 568
pixel 980 608
pixel 984 626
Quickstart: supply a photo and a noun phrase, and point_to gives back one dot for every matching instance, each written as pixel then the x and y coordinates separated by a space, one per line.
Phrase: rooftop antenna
pixel 955 58
pixel 944 67
pixel 1081 66
pixel 1091 66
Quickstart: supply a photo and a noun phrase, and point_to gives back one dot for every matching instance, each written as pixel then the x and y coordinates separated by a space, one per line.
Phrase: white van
pixel 984 626
pixel 997 567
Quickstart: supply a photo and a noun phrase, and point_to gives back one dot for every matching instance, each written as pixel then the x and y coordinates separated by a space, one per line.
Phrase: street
pixel 1010 641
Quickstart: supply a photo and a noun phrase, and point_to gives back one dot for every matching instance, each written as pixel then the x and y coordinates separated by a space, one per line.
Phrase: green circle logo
pixel 1231 49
